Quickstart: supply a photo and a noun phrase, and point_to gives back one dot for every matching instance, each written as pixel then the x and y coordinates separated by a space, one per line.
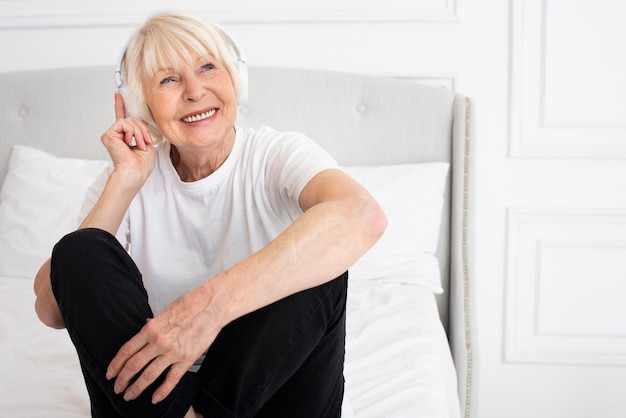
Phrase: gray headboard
pixel 359 119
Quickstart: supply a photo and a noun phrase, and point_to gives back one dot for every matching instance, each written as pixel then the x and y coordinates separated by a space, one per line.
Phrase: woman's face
pixel 194 106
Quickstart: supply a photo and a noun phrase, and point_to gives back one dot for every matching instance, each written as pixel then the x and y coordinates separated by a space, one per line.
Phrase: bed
pixel 410 349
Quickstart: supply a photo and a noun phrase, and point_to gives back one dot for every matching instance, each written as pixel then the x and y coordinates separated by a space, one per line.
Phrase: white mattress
pixel 40 371
pixel 398 363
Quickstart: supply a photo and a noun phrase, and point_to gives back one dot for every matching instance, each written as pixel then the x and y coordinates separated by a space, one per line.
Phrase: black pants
pixel 284 360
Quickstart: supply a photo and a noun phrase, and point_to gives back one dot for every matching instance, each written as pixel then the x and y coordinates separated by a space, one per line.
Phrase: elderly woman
pixel 209 273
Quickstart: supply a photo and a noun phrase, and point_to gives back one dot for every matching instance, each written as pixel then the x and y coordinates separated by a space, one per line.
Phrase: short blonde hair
pixel 166 40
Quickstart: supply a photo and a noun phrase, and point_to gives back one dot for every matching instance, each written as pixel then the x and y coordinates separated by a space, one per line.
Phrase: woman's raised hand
pixel 129 143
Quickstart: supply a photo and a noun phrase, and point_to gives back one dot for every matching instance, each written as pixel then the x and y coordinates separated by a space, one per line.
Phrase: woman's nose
pixel 193 91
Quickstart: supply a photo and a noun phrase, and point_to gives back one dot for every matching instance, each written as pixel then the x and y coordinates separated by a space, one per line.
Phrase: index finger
pixel 120 108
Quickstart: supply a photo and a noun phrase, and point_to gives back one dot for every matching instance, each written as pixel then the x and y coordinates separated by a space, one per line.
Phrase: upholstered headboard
pixel 359 119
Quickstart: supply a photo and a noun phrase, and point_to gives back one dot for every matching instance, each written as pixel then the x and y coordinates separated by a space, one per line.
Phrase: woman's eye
pixel 167 80
pixel 208 67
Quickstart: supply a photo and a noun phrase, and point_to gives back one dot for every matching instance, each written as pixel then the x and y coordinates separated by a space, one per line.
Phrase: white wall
pixel 548 77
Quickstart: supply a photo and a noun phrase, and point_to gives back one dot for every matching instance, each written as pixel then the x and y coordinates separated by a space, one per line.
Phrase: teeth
pixel 201 116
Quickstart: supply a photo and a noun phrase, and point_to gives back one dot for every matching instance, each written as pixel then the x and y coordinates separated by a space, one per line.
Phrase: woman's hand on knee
pixel 175 338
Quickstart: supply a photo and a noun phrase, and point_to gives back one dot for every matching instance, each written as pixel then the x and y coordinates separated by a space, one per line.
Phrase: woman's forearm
pixel 322 244
pixel 109 210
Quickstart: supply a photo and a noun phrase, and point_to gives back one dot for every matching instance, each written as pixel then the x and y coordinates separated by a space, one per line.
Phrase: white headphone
pixel 237 54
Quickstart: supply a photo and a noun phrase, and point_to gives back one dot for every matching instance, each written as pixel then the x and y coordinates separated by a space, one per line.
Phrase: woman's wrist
pixel 126 181
pixel 219 301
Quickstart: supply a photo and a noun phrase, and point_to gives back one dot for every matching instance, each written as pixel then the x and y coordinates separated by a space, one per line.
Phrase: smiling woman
pixel 233 242
pixel 391 297
pixel 154 52
pixel 194 106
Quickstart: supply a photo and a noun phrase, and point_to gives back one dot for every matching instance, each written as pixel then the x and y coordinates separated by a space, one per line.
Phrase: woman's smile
pixel 199 116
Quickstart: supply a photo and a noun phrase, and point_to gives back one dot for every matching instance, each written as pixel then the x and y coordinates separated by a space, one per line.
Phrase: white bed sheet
pixel 397 359
pixel 40 371
pixel 398 362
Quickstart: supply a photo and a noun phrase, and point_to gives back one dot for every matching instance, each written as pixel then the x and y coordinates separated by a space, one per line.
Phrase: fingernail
pixel 129 396
pixel 156 398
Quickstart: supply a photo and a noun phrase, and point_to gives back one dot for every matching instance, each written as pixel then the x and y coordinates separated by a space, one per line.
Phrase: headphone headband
pixel 237 54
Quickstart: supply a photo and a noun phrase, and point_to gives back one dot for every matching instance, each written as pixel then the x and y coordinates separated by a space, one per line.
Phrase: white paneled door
pixel 564 328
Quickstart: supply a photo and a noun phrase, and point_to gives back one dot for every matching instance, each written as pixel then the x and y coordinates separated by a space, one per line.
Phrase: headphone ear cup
pixel 123 91
pixel 242 69
pixel 119 83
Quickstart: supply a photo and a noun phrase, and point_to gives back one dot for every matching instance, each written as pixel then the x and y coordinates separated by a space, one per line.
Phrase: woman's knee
pixel 90 253
pixel 79 241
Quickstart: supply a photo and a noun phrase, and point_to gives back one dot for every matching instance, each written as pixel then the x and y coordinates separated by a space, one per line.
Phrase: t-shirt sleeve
pixel 294 160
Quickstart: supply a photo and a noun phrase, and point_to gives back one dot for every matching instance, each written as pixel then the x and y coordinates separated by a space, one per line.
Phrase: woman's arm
pixel 46 306
pixel 341 221
pixel 131 168
pixel 107 214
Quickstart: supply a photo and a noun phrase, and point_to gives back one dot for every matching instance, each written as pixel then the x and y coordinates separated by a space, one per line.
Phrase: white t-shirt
pixel 182 234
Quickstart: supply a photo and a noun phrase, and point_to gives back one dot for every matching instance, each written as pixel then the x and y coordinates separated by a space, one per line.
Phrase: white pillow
pixel 412 197
pixel 42 195
pixel 39 203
